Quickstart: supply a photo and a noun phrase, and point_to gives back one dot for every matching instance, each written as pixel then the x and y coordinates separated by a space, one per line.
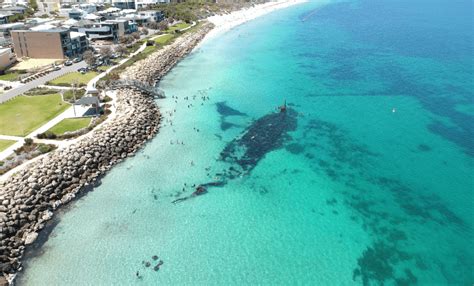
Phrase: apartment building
pixel 48 6
pixel 31 44
pixel 124 4
pixel 155 16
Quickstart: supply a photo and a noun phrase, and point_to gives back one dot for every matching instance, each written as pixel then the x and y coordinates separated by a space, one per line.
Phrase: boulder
pixel 31 237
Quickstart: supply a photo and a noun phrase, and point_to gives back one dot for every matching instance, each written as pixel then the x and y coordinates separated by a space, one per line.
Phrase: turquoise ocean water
pixel 373 185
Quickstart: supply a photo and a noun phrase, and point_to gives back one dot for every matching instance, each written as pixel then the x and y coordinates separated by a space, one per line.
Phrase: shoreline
pixel 29 198
pixel 224 23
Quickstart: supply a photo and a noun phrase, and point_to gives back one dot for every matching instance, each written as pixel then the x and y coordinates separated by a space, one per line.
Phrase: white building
pixel 7 58
pixel 146 3
pixel 48 6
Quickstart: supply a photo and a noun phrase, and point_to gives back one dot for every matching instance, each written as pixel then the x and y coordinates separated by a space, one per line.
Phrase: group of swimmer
pixel 148 264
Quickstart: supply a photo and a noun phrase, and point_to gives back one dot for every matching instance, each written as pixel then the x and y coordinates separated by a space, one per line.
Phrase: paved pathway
pixel 42 80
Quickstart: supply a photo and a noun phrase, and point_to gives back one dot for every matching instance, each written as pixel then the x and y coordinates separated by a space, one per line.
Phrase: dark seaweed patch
pixel 376 265
pixel 266 134
pixel 225 110
pixel 424 148
pixel 383 205
pixel 226 125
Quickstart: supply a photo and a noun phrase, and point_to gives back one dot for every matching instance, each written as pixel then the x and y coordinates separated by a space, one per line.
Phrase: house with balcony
pixel 61 44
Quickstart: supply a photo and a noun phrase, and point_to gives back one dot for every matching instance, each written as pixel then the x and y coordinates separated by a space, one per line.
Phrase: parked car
pixel 68 63
pixel 56 68
pixel 82 70
pixel 76 60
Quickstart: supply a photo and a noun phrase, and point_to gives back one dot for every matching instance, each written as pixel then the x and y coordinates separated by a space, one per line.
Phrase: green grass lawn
pixel 70 124
pixel 68 95
pixel 10 76
pixel 67 79
pixel 4 144
pixel 23 114
pixel 178 27
pixel 165 39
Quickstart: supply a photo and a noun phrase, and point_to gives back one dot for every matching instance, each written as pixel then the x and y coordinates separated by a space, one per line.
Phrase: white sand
pixel 226 22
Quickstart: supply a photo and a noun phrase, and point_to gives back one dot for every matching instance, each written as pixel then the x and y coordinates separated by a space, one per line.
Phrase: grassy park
pixel 165 39
pixel 23 114
pixel 68 79
pixel 4 144
pixel 70 124
pixel 178 26
pixel 10 76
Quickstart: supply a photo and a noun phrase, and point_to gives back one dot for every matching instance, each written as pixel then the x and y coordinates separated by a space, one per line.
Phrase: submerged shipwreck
pixel 264 135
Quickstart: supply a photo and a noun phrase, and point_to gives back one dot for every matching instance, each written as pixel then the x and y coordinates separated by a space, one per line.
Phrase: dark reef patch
pixel 264 135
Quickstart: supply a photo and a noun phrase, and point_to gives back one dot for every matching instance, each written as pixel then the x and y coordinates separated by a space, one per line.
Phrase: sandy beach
pixel 226 22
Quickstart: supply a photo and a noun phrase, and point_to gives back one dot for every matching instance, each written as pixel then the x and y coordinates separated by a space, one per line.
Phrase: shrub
pixel 40 91
pixel 47 135
pixel 45 148
pixel 28 141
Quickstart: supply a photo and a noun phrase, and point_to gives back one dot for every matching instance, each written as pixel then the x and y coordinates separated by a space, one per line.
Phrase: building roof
pixel 76 10
pixel 87 100
pixel 128 11
pixel 70 22
pixel 43 27
pixel 74 35
pixel 109 10
pixel 4 50
pixel 83 23
pixel 12 25
pixel 13 8
pixel 39 21
pixel 6 14
pixel 92 17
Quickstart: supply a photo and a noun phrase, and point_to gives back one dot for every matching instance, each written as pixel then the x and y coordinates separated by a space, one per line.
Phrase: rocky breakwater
pixel 155 66
pixel 29 198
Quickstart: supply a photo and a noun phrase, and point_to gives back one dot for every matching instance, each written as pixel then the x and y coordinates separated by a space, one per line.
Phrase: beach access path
pixel 20 89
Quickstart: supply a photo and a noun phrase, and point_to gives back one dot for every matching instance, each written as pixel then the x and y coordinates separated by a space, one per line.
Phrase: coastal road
pixel 42 80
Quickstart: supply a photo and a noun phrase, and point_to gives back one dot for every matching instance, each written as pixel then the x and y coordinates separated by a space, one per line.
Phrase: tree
pixel 153 25
pixel 126 39
pixel 89 57
pixel 136 35
pixel 121 50
pixel 106 52
pixel 163 25
pixel 33 5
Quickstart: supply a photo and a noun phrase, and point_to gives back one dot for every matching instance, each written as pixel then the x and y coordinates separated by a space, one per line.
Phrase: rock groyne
pixel 29 198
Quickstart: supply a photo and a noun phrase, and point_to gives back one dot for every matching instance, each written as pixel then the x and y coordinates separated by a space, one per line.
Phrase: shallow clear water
pixel 374 184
